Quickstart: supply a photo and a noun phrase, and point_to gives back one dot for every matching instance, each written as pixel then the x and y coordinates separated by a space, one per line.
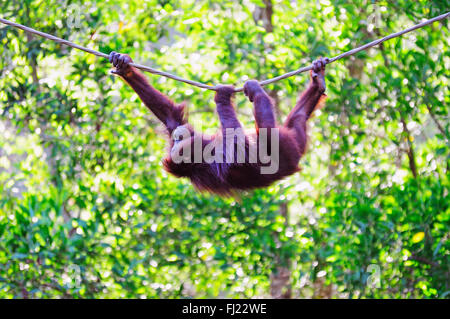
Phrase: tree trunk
pixel 280 285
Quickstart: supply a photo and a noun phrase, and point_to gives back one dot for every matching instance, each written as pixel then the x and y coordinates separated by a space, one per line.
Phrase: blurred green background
pixel 86 210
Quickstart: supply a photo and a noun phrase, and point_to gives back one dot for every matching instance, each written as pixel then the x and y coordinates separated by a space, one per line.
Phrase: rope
pixel 214 88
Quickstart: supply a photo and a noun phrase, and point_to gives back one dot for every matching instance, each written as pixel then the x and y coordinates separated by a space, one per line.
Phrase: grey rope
pixel 214 88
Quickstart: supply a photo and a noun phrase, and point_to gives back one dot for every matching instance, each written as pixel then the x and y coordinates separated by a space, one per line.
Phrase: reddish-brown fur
pixel 225 178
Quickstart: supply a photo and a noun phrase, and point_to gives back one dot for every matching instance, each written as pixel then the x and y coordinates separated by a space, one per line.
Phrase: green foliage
pixel 87 211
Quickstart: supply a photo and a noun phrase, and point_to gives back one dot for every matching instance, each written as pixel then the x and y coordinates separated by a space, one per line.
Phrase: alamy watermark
pixel 233 147
pixel 72 276
pixel 7 61
pixel 373 280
